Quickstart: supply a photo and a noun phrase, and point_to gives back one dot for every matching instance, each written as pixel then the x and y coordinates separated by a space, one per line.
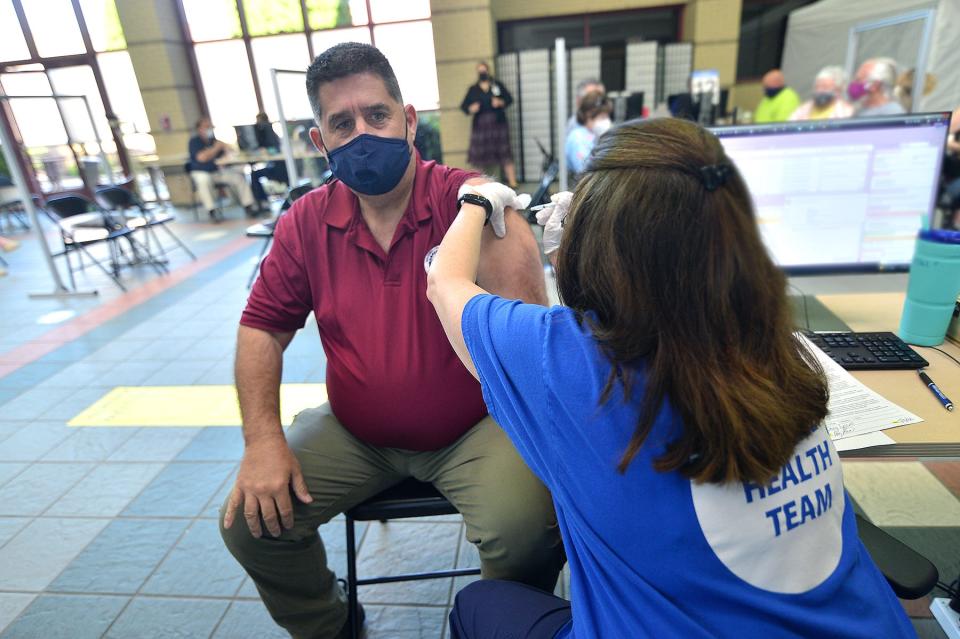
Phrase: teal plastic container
pixel 933 288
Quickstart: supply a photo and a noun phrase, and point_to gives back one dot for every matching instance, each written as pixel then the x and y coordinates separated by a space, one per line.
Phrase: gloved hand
pixel 500 196
pixel 550 217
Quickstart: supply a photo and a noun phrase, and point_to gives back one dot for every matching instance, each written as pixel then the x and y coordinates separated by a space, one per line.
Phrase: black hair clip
pixel 714 176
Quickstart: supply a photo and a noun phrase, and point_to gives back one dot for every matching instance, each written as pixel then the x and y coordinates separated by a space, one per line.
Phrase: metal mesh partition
pixel 535 111
pixel 508 72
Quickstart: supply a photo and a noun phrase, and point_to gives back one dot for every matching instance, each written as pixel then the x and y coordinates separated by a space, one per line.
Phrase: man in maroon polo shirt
pixel 400 402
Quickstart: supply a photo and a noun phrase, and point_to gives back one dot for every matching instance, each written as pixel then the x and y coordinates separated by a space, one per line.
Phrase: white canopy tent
pixel 845 32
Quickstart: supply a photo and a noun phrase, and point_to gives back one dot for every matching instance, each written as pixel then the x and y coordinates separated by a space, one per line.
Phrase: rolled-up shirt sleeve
pixel 281 298
pixel 453 181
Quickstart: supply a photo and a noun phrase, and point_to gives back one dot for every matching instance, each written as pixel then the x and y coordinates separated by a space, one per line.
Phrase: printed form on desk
pixel 857 414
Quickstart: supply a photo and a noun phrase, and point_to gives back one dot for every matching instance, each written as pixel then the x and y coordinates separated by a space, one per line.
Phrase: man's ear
pixel 317 140
pixel 411 114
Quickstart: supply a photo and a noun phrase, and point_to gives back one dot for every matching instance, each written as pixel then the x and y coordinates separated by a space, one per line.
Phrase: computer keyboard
pixel 868 351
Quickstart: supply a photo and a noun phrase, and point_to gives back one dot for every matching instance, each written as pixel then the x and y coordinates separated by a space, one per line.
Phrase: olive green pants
pixel 508 513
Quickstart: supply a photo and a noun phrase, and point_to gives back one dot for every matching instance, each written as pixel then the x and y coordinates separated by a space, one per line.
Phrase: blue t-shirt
pixel 578 145
pixel 653 554
pixel 196 145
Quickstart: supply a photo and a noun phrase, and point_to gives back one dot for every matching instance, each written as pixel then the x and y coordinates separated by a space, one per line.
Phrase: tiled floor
pixel 112 531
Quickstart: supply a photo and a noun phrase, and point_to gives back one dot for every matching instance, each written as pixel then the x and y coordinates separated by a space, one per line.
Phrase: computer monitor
pixel 247 137
pixel 841 195
pixel 634 106
pixel 681 106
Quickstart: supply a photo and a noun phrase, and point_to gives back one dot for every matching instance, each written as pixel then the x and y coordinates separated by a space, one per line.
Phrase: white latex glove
pixel 500 196
pixel 550 217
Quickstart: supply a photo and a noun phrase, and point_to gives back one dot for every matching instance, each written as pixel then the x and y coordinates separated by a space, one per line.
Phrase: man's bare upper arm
pixel 282 338
pixel 511 266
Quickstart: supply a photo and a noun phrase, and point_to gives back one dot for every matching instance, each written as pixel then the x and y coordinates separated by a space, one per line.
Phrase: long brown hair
pixel 674 277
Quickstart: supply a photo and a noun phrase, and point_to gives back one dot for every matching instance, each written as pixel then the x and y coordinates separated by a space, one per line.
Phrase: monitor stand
pixel 810 314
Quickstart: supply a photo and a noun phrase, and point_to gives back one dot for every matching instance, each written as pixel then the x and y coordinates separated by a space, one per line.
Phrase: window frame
pixel 88 58
pixel 677 8
pixel 247 38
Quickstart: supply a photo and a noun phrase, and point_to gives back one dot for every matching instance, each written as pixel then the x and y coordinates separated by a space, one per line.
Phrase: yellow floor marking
pixel 205 405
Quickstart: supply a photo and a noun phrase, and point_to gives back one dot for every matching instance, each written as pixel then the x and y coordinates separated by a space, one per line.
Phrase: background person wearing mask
pixel 872 88
pixel 779 101
pixel 267 139
pixel 827 99
pixel 593 120
pixel 585 86
pixel 205 150
pixel 486 101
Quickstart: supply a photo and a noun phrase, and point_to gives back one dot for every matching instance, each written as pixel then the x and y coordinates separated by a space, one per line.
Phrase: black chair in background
pixel 410 498
pixel 13 215
pixel 264 230
pixel 83 224
pixel 220 190
pixel 121 201
pixel 551 169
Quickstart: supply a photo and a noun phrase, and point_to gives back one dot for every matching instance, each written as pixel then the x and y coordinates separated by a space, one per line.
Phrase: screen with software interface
pixel 841 194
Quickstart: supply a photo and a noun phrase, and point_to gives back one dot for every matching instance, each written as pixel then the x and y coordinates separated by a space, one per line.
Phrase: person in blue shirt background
pixel 593 120
pixel 205 149
pixel 670 410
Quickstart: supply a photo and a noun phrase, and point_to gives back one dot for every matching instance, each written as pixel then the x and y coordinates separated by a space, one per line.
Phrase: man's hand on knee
pixel 268 473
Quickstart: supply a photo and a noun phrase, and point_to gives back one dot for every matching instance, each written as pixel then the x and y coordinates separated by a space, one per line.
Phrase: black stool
pixel 409 498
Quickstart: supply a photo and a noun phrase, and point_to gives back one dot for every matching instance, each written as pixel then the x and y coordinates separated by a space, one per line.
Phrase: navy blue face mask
pixel 370 164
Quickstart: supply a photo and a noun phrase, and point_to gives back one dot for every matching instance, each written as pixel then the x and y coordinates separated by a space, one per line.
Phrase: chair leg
pixel 80 262
pixel 151 238
pixel 256 267
pixel 179 242
pixel 138 247
pixel 73 281
pixel 116 254
pixel 113 276
pixel 352 599
pixel 158 257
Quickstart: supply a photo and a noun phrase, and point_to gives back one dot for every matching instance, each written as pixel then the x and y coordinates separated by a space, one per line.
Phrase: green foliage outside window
pixel 112 29
pixel 230 11
pixel 266 17
pixel 327 14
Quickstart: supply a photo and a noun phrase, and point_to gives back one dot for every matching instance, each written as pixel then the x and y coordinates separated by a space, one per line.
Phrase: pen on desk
pixel 936 391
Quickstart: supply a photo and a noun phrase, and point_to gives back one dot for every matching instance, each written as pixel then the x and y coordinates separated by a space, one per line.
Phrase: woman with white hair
pixel 827 99
pixel 872 88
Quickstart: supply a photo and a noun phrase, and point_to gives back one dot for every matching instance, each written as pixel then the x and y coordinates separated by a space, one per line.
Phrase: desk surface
pixel 230 160
pixel 881 312
pixel 253 158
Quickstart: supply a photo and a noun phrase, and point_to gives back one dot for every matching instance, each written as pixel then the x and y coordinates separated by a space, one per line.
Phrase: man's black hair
pixel 345 59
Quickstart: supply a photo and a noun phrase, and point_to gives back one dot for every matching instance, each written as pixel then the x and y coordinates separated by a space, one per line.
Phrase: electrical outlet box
pixel 946 616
